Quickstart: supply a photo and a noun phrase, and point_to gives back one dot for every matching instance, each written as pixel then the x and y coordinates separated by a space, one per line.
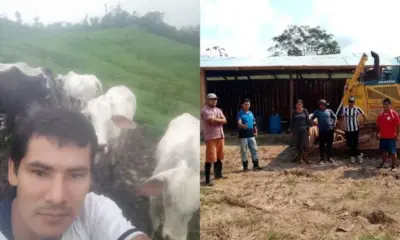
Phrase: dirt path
pixel 291 201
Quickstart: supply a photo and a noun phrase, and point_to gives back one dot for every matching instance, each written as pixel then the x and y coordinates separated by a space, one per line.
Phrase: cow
pixel 80 88
pixel 174 188
pixel 109 114
pixel 22 91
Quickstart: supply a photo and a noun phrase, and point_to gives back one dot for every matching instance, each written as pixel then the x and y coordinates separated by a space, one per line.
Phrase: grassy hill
pixel 162 73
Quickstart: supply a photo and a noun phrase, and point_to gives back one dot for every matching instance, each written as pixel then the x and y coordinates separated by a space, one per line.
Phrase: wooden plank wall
pixel 272 96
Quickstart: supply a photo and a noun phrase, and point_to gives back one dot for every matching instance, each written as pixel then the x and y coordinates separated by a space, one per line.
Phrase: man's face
pixel 212 102
pixel 299 105
pixel 386 106
pixel 246 106
pixel 351 104
pixel 52 183
pixel 322 106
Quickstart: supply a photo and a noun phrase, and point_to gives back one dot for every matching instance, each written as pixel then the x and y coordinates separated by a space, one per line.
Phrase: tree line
pixel 116 17
pixel 295 40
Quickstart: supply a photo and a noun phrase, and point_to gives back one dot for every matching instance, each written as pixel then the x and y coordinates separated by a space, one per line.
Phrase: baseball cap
pixel 212 96
pixel 352 99
pixel 322 101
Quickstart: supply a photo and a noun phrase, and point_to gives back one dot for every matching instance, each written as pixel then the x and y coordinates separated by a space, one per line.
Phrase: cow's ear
pixel 123 122
pixel 154 185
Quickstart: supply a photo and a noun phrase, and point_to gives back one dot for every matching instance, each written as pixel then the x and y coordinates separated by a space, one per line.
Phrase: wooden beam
pixel 291 96
pixel 203 87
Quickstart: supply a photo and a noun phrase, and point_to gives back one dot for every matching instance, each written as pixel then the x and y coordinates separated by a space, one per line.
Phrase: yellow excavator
pixel 369 88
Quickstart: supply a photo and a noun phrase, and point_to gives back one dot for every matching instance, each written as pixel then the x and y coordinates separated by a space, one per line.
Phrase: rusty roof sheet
pixel 336 60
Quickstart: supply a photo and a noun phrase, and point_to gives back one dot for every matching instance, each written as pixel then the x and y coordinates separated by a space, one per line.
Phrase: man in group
pixel 326 126
pixel 50 168
pixel 388 130
pixel 247 133
pixel 213 120
pixel 349 117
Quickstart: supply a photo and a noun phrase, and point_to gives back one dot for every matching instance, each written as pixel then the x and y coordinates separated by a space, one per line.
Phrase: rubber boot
pixel 256 166
pixel 218 170
pixel 305 157
pixel 245 166
pixel 207 172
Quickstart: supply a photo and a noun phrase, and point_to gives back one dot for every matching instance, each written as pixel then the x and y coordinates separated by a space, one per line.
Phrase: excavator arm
pixel 353 81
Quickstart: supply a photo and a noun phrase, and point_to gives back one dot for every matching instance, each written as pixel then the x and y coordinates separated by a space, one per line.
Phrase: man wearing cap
pixel 326 126
pixel 213 119
pixel 388 133
pixel 349 116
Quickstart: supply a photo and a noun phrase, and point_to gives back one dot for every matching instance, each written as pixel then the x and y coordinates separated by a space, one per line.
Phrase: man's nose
pixel 56 193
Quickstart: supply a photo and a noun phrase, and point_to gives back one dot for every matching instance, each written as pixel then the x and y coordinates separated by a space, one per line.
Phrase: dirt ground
pixel 135 165
pixel 292 201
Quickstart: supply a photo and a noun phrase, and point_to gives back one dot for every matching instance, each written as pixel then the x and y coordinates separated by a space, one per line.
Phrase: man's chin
pixel 52 230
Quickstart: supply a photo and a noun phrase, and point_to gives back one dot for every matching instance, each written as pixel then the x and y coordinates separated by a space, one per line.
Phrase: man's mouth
pixel 55 218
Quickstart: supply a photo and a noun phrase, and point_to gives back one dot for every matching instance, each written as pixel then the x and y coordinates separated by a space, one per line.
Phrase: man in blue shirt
pixel 326 126
pixel 247 132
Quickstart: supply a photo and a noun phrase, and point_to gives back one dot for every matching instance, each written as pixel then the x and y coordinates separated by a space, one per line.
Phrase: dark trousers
pixel 325 144
pixel 352 143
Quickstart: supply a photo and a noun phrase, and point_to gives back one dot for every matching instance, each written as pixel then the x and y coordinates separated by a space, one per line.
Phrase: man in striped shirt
pixel 350 116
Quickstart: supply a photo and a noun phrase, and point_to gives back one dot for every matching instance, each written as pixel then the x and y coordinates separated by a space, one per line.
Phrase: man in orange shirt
pixel 388 128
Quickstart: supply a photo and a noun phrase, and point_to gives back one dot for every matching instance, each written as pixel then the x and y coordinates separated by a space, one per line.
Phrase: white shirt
pixel 100 219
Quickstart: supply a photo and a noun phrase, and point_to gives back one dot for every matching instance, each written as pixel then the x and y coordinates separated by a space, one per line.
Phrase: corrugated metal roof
pixel 336 60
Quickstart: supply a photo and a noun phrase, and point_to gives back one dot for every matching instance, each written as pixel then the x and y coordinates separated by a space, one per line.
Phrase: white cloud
pixel 361 25
pixel 239 24
pixel 370 24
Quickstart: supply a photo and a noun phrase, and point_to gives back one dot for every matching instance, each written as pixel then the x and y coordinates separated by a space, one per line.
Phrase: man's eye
pixel 39 173
pixel 78 175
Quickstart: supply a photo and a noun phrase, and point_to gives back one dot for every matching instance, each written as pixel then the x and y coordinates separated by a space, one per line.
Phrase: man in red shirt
pixel 388 126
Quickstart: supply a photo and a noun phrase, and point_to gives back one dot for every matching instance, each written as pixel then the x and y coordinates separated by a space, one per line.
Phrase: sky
pixel 177 12
pixel 245 28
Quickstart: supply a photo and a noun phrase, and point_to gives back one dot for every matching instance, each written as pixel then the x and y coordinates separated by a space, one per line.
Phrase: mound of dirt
pixel 379 217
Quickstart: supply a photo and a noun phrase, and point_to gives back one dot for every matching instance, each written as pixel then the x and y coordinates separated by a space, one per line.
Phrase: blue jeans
pixel 252 145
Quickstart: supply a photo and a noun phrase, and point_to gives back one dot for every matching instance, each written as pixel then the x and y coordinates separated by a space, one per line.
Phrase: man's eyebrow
pixel 40 165
pixel 78 169
pixel 37 164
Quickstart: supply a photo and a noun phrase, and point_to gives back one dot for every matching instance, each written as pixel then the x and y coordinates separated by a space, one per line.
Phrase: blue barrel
pixel 275 124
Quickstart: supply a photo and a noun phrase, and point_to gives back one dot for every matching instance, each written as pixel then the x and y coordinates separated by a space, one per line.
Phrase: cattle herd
pixel 173 189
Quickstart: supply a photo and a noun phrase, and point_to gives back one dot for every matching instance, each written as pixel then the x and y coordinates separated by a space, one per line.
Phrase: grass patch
pixel 163 74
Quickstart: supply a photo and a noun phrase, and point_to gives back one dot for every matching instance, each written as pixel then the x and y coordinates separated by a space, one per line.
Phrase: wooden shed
pixel 273 84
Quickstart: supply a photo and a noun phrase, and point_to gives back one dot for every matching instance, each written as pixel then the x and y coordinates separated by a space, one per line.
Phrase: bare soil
pixel 297 201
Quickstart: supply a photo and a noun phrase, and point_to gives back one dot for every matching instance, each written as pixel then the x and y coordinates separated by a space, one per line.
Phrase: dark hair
pixel 387 100
pixel 299 101
pixel 245 100
pixel 65 125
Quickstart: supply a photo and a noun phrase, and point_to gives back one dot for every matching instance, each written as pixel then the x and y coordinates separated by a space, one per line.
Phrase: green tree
pixel 304 40
pixel 217 51
pixel 18 17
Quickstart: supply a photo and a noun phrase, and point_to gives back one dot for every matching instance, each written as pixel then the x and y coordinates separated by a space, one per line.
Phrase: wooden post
pixel 291 96
pixel 203 87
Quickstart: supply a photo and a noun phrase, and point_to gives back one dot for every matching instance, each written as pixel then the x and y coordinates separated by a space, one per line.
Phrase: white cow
pixel 174 188
pixel 81 88
pixel 109 113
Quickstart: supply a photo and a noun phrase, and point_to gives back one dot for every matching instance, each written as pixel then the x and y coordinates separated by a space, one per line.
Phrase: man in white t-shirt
pixel 50 167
